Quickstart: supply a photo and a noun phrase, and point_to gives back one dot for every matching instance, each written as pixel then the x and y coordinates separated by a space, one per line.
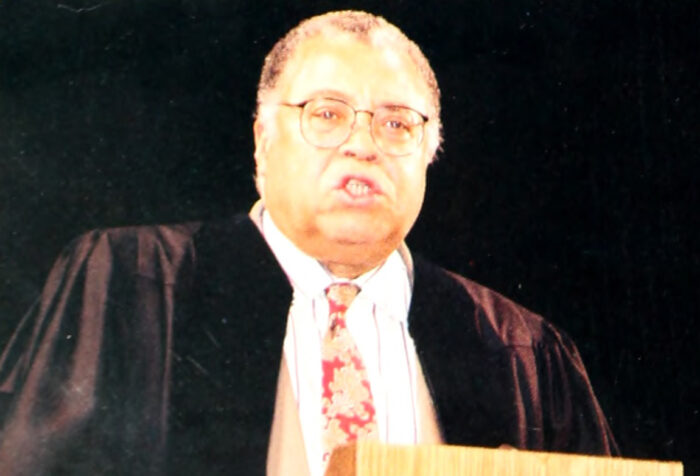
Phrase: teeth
pixel 355 187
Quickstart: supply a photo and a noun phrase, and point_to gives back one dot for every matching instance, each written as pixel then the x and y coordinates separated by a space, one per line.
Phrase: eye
pixel 328 111
pixel 325 114
pixel 396 124
pixel 395 128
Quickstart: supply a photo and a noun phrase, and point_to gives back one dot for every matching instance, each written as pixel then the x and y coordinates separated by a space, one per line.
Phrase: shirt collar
pixel 388 286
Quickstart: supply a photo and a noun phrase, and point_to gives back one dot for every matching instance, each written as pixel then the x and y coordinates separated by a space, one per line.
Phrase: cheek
pixel 296 174
pixel 285 162
pixel 417 193
pixel 412 182
pixel 412 195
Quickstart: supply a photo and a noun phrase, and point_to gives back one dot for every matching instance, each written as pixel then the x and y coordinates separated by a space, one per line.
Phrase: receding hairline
pixel 363 26
pixel 366 27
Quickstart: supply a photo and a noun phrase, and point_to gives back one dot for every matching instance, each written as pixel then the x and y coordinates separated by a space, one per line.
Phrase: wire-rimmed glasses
pixel 328 123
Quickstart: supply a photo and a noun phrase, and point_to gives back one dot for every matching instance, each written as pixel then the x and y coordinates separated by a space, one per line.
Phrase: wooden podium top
pixel 375 459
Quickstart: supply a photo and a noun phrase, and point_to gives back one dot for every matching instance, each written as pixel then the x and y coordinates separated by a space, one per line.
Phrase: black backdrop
pixel 567 179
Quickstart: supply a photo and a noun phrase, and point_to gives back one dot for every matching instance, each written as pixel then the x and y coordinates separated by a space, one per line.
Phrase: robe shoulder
pixel 513 377
pixel 157 252
pixel 498 322
pixel 505 322
pixel 108 299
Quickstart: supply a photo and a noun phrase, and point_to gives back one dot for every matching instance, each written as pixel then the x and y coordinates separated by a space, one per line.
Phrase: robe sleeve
pixel 573 420
pixel 68 396
pixel 500 374
pixel 551 402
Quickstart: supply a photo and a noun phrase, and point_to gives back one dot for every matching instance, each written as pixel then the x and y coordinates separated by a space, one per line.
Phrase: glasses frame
pixel 302 105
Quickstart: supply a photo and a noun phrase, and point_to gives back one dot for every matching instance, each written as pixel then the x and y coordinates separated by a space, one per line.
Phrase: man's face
pixel 318 196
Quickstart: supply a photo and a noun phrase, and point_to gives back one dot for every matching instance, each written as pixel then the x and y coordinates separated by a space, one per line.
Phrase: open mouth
pixel 358 188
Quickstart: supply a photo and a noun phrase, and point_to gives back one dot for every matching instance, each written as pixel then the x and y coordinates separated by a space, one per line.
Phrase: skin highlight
pixel 365 27
pixel 304 187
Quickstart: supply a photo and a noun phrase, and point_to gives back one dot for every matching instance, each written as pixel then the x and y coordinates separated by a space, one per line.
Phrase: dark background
pixel 567 180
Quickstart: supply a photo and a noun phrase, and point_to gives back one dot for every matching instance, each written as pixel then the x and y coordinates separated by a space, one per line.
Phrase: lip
pixel 375 190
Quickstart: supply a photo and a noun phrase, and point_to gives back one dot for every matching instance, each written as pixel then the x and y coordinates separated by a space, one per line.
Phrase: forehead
pixel 368 73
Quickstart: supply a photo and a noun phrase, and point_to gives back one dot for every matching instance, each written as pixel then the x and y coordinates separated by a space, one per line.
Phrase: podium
pixel 375 459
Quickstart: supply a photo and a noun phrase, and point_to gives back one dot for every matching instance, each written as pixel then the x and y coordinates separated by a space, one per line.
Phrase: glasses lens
pixel 397 130
pixel 326 122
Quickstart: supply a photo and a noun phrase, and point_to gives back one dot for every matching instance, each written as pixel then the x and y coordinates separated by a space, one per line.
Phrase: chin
pixel 357 237
pixel 364 243
pixel 355 229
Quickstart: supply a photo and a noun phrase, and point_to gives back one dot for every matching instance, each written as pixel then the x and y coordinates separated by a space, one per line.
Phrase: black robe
pixel 156 350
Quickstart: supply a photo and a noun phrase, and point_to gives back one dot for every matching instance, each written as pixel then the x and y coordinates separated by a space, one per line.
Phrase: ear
pixel 261 146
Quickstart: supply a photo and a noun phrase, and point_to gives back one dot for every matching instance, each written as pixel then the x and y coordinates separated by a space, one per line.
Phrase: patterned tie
pixel 346 403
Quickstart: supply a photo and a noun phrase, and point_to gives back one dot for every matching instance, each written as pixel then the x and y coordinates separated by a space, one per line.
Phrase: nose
pixel 360 143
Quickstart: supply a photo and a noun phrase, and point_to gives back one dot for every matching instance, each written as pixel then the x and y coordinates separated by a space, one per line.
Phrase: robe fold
pixel 156 350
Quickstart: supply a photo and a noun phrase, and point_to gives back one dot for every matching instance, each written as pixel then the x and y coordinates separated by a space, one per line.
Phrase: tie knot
pixel 341 294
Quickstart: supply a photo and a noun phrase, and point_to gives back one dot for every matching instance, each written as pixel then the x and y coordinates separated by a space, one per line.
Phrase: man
pixel 219 347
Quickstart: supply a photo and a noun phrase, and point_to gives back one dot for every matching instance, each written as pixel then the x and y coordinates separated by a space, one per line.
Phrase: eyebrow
pixel 337 94
pixel 330 93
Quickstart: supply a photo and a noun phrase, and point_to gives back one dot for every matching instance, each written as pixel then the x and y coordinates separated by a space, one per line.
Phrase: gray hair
pixel 364 26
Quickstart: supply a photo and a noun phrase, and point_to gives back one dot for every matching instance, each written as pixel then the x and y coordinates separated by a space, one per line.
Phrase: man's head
pixel 345 192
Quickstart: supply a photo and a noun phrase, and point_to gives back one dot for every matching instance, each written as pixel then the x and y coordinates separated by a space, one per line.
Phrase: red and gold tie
pixel 346 401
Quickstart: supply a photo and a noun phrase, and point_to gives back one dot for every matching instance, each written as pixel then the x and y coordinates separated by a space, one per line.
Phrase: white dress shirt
pixel 377 320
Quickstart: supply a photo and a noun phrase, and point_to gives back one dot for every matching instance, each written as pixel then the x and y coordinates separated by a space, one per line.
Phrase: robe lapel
pixel 469 381
pixel 228 348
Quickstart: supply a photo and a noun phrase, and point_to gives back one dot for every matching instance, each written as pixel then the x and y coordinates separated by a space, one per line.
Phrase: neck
pixel 348 271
